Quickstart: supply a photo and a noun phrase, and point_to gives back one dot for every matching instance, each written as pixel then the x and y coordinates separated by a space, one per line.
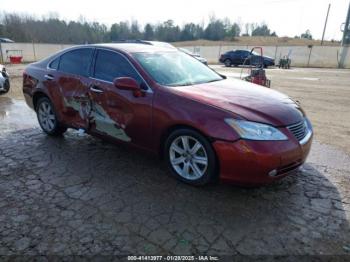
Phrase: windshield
pixel 186 51
pixel 176 68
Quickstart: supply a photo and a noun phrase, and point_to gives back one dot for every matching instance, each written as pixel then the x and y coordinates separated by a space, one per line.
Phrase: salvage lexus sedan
pixel 205 126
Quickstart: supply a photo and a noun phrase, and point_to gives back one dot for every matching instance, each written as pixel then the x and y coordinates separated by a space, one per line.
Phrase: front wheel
pixel 190 157
pixel 227 62
pixel 48 119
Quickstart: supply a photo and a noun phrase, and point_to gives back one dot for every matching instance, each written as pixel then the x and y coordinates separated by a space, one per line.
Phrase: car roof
pixel 134 47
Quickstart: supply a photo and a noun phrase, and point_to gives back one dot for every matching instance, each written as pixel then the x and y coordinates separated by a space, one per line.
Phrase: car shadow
pixel 132 194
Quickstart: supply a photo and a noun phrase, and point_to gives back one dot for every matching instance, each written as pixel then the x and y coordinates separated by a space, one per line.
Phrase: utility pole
pixel 325 23
pixel 346 33
pixel 1 55
pixel 345 41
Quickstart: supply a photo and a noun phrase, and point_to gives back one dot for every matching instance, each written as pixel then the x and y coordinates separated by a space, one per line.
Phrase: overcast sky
pixel 286 17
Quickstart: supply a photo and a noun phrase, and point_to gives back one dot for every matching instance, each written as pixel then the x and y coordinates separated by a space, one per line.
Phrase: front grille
pixel 299 130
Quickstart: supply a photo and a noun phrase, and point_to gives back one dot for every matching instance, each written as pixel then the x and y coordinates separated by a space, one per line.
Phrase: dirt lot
pixel 78 195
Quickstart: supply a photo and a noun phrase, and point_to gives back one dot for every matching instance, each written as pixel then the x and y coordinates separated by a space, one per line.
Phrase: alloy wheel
pixel 46 116
pixel 188 157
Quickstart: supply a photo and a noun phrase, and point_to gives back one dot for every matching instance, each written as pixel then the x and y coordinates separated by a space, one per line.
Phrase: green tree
pixel 261 30
pixel 167 32
pixel 148 32
pixel 233 31
pixel 120 31
pixel 135 31
pixel 215 30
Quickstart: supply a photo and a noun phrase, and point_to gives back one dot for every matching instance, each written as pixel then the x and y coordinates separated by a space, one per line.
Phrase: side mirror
pixel 128 83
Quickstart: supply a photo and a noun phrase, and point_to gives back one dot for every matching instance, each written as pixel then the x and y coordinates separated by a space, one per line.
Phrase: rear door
pixel 71 93
pixel 118 113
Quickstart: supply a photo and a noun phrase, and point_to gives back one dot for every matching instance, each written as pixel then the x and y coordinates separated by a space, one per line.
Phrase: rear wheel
pixel 227 63
pixel 190 157
pixel 47 118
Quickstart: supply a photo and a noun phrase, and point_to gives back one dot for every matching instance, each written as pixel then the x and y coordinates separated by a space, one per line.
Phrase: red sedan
pixel 207 127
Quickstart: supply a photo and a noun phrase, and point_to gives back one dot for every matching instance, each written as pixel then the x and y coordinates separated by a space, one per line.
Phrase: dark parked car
pixel 167 102
pixel 240 57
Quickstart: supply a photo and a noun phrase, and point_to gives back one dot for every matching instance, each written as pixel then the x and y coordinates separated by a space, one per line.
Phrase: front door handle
pixel 95 89
pixel 49 77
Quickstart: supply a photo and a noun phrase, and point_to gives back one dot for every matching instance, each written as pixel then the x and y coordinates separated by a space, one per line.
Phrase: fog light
pixel 273 172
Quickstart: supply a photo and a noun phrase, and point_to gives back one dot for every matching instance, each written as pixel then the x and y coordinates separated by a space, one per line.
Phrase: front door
pixel 118 113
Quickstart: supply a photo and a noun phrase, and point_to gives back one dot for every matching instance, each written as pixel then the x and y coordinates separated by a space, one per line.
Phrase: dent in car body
pixel 95 114
pixel 107 125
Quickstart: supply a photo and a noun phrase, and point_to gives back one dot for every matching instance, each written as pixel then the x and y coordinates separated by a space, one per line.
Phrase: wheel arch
pixel 175 127
pixel 36 96
pixel 172 128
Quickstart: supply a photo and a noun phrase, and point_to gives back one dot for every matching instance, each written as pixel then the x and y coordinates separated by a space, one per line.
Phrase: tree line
pixel 51 29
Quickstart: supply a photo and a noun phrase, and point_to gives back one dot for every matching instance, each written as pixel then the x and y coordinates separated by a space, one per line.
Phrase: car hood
pixel 246 100
pixel 268 58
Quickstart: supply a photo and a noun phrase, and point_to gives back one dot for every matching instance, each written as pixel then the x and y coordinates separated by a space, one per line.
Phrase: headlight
pixel 255 131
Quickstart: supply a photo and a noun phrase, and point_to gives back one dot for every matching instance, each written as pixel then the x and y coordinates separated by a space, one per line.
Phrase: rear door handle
pixel 49 77
pixel 95 89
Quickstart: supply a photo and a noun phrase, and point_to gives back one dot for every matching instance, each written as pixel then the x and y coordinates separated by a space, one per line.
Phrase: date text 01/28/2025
pixel 173 258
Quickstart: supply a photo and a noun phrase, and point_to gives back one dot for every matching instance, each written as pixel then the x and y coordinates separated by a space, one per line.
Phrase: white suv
pixel 4 80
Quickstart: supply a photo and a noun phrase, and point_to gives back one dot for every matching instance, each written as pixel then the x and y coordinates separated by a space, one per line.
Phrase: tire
pixel 192 167
pixel 227 62
pixel 47 118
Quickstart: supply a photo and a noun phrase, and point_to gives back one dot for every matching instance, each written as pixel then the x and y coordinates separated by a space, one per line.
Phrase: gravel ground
pixel 83 196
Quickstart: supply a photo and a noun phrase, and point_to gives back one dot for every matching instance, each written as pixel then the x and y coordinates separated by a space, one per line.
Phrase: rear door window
pixel 54 63
pixel 110 65
pixel 76 62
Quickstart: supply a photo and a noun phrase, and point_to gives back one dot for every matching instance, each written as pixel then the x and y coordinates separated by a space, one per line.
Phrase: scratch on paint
pixel 96 114
pixel 107 125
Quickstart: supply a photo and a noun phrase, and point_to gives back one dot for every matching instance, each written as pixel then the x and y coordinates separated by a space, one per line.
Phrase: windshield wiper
pixel 185 84
pixel 210 81
pixel 214 80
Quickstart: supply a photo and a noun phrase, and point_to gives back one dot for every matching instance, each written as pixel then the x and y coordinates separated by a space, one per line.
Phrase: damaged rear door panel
pixel 72 89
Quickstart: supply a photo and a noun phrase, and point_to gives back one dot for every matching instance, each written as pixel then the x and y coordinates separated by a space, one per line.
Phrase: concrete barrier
pixel 31 51
pixel 303 56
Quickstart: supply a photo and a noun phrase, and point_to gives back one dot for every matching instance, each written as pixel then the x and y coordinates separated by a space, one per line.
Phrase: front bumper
pixel 248 162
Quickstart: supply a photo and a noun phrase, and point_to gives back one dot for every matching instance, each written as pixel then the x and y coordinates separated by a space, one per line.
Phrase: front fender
pixel 171 109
